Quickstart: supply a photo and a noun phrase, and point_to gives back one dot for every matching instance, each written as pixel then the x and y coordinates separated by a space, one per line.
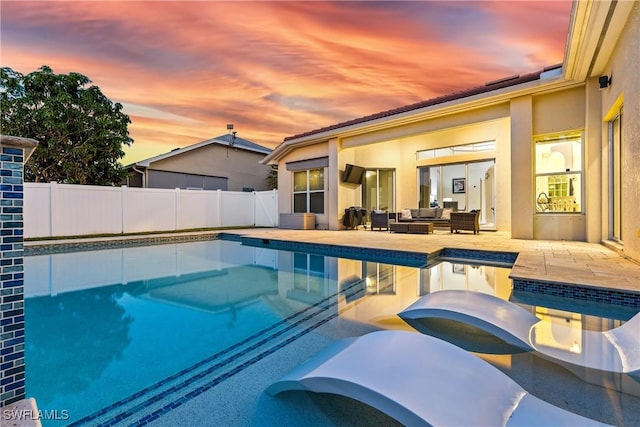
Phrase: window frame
pixel 307 191
pixel 565 205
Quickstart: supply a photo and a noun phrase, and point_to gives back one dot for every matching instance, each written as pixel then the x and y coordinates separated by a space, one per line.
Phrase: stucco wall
pixel 400 155
pixel 285 179
pixel 558 111
pixel 625 84
pixel 241 167
pixel 521 168
pixel 553 113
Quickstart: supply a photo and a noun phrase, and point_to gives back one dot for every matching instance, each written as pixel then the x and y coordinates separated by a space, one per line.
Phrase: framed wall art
pixel 458 185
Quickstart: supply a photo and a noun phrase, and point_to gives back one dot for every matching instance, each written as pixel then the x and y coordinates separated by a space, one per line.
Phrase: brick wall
pixel 12 157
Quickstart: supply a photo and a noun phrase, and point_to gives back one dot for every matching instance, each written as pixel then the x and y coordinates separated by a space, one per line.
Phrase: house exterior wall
pixel 559 111
pixel 399 153
pixel 511 125
pixel 165 179
pixel 624 90
pixel 556 113
pixel 241 167
pixel 521 168
pixel 285 180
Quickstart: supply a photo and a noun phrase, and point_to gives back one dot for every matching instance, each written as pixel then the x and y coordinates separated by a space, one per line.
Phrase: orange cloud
pixel 185 69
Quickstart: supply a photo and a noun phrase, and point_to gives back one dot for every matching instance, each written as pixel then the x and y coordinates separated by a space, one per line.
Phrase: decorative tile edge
pixel 578 292
pixel 54 248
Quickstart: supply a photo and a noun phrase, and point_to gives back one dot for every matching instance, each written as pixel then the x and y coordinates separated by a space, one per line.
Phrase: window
pixel 455 150
pixel 309 273
pixel 559 174
pixel 308 191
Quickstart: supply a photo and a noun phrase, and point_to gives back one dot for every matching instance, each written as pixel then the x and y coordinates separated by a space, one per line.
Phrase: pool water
pixel 124 335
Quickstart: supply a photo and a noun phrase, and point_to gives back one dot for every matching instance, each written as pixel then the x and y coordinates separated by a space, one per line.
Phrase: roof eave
pixel 594 30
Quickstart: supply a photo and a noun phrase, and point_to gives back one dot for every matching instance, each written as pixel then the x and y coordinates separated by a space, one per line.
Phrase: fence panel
pixel 237 209
pixel 37 210
pixel 53 210
pixel 149 209
pixel 266 208
pixel 85 209
pixel 198 209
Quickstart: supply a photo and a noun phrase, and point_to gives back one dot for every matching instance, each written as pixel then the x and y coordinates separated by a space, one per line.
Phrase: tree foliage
pixel 80 131
pixel 272 178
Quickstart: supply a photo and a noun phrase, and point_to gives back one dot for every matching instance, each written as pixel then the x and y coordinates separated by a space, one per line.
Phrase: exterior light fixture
pixel 604 81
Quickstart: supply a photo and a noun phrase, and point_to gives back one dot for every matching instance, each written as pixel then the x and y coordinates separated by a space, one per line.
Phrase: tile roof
pixel 488 87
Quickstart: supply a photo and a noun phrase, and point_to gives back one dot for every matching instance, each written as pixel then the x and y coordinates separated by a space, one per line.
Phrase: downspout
pixel 141 173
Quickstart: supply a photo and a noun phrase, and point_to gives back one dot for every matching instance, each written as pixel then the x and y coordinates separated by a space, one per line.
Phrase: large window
pixel 559 174
pixel 308 191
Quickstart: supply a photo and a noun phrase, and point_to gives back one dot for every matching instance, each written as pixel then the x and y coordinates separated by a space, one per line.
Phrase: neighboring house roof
pixel 224 140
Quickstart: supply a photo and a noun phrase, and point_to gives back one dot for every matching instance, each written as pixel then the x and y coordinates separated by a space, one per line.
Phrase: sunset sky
pixel 184 69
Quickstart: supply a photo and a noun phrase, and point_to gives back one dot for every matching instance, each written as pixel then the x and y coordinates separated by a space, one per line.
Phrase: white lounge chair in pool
pixel 421 380
pixel 614 351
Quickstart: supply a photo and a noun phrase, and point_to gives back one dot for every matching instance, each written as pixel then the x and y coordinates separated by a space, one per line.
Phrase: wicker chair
pixel 465 221
pixel 379 220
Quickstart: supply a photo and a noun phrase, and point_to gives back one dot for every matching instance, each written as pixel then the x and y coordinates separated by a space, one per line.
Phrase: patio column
pixel 14 152
pixel 522 209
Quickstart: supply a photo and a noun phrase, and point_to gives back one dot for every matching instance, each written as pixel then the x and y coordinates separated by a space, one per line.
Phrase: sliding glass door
pixel 462 186
pixel 378 190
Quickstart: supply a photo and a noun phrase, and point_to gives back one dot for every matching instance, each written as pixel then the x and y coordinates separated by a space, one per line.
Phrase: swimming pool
pixel 139 334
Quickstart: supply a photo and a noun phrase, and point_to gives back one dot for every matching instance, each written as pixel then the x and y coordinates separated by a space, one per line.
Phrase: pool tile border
pixel 414 259
pixel 578 292
pixel 42 248
pixel 406 258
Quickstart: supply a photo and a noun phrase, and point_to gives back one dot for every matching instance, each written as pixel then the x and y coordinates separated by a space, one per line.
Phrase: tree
pixel 81 133
pixel 272 177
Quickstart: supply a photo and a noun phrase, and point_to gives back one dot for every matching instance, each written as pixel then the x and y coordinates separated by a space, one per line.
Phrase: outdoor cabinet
pixel 298 221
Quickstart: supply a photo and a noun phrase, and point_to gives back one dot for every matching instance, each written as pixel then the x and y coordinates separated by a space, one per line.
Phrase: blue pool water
pixel 124 335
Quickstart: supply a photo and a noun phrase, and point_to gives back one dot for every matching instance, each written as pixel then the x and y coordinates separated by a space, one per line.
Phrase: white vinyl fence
pixel 53 210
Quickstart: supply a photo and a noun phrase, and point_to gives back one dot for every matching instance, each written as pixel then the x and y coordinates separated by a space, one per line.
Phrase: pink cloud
pixel 277 68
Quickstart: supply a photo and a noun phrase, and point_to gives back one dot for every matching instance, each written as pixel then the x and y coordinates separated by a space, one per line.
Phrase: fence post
pixel 255 206
pixel 53 190
pixel 276 215
pixel 177 210
pixel 219 208
pixel 14 152
pixel 123 198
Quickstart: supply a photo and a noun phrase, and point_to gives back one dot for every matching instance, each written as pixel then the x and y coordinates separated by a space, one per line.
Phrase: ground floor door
pixel 378 190
pixel 463 186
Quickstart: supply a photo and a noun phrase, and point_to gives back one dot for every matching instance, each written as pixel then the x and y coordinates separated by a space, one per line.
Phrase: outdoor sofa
pixel 439 217
pixel 385 220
